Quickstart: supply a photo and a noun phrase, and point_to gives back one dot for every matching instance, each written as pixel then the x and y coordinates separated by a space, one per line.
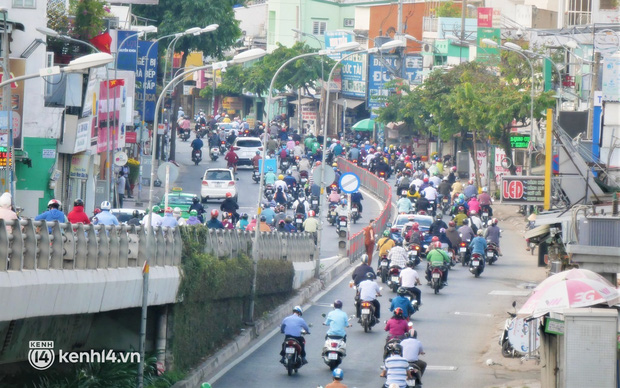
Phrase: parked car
pixel 216 182
pixel 245 148
pixel 125 214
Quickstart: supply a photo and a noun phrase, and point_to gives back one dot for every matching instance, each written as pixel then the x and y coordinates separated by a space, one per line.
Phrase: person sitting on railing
pixel 5 210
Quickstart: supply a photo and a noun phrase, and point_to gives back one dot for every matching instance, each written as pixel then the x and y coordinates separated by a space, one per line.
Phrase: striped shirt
pixel 396 371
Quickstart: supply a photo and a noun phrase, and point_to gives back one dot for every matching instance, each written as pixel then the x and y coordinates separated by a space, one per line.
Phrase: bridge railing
pixel 30 244
pixel 377 187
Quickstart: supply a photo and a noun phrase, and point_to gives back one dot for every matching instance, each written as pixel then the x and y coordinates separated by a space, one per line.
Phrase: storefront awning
pixel 351 104
pixel 303 101
pixel 537 232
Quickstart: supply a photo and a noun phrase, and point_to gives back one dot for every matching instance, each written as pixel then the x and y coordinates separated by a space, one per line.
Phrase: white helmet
pixel 297 309
pixel 105 205
pixel 485 189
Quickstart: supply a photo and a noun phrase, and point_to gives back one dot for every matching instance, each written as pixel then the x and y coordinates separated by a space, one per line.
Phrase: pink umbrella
pixel 575 273
pixel 569 293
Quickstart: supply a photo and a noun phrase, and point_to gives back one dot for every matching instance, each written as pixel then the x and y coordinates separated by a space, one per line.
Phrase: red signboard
pixel 525 190
pixel 485 17
pixel 131 137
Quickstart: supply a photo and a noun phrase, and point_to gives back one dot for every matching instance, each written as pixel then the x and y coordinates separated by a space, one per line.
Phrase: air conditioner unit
pixel 427 48
pixel 349 22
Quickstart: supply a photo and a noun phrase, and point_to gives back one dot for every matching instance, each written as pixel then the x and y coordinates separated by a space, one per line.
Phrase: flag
pixel 102 42
pixel 116 82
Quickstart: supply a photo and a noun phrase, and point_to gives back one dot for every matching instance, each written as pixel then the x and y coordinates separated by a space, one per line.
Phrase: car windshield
pixel 424 222
pixel 122 217
pixel 175 199
pixel 400 221
pixel 223 175
pixel 249 143
pixel 225 126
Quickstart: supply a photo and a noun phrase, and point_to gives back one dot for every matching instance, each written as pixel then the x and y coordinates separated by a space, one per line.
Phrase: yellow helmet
pixel 280 177
pixel 334 164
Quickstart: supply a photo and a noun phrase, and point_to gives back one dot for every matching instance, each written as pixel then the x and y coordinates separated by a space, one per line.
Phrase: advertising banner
pixel 127 53
pixel 146 78
pixel 484 51
pixel 523 190
pixel 353 76
pixel 381 69
pixel 611 79
pixel 485 17
pixel 17 68
pixel 103 111
pixel 335 38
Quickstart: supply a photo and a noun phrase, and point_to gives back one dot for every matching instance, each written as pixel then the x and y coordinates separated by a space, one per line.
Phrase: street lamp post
pixel 239 58
pixel 384 47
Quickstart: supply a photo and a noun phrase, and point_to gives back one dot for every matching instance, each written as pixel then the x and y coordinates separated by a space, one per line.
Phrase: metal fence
pixel 35 245
pixel 377 187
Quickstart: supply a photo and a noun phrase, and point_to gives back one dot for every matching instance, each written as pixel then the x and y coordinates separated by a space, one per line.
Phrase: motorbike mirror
pixel 323 315
pixel 309 324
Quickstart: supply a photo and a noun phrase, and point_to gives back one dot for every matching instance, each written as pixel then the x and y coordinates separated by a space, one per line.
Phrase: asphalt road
pixel 457 328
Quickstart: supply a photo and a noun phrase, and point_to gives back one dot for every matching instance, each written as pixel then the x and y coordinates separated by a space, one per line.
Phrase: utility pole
pixel 6 104
pixel 594 87
pixel 399 26
pixel 463 10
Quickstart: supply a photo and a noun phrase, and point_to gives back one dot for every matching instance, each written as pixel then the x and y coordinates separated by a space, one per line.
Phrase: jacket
pixel 77 216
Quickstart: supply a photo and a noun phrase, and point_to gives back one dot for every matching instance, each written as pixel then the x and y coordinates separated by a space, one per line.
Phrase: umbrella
pixel 575 273
pixel 569 293
pixel 366 125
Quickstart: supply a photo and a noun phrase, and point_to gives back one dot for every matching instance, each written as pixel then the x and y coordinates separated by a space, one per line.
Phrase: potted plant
pixel 134 171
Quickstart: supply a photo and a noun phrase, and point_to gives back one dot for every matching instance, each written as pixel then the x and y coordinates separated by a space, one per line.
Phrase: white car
pixel 216 183
pixel 246 148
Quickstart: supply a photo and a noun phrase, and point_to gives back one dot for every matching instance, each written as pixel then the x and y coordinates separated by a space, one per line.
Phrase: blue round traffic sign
pixel 349 183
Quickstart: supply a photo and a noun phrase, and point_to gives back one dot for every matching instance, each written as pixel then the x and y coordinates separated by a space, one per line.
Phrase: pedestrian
pixel 369 240
pixel 120 188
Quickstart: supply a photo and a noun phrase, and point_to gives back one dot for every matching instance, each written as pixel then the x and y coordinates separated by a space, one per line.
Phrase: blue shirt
pixel 192 220
pixel 403 303
pixel 51 215
pixel 290 228
pixel 338 150
pixel 106 218
pixel 337 320
pixel 396 370
pixel 214 223
pixel 242 224
pixel 269 214
pixel 293 324
pixel 169 221
pixel 478 245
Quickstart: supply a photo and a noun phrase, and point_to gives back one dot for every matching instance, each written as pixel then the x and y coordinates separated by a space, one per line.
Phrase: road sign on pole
pixel 349 183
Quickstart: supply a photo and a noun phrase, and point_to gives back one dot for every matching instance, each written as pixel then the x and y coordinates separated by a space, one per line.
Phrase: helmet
pixel 280 177
pixel 195 199
pixel 318 163
pixel 297 309
pixel 96 211
pixel 168 210
pixel 244 216
pixel 229 195
pixel 398 312
pixel 311 213
pixel 338 304
pixel 425 180
pixel 343 202
pixel 257 152
pixel 364 258
pixel 423 194
pixel 193 213
pixel 401 291
pixel 337 141
pixel 442 230
pixel 296 143
pixel 156 209
pixel 461 196
pixel 54 202
pixel 451 223
pixel 494 221
pixel 370 275
pixel 78 202
pixel 334 164
pixel 438 217
pixel 471 182
pixel 214 213
pixel 454 168
pixel 288 219
pixel 395 348
pixel 415 225
pixel 461 208
pixel 479 233
pixel 485 189
pixel 270 169
pixel 338 374
pixel 386 233
pixel 466 222
pixel 288 172
pixel 435 238
pixel 105 205
pixel 263 219
pixel 136 213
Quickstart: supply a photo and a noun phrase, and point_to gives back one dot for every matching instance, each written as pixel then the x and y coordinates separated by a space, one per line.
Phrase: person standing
pixel 120 188
pixel 369 240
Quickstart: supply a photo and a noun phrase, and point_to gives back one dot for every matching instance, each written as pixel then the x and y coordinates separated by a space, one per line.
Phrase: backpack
pixel 301 208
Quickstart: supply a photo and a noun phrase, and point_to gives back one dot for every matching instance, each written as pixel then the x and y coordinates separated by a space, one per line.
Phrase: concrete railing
pixel 377 187
pixel 223 243
pixel 77 246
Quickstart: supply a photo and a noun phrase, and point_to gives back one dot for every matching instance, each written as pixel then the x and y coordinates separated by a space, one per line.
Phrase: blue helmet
pixel 338 374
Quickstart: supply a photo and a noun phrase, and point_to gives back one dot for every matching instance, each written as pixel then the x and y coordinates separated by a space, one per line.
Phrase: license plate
pixel 298 221
pixel 217 184
pixel 394 278
pixel 429 209
pixel 384 264
pixel 485 214
pixel 489 254
pixel 475 263
pixel 413 253
pixel 342 223
pixel 332 356
pixel 365 311
pixel 463 249
pixel 436 275
pixel 444 200
pixel 404 192
pixel 290 350
pixel 315 202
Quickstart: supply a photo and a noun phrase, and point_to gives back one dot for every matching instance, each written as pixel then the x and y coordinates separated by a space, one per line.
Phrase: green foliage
pixel 89 17
pixel 448 9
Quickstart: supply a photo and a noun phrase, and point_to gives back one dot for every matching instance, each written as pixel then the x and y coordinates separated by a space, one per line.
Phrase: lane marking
pixel 441 367
pixel 472 314
pixel 509 293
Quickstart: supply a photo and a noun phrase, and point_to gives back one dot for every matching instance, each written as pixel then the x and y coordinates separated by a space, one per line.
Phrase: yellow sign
pixel 232 103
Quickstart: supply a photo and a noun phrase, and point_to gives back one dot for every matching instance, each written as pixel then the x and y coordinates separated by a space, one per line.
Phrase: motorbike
pixel 355 213
pixel 314 203
pixel 215 153
pixel 292 358
pixel 269 191
pixel 492 253
pixel 508 349
pixel 334 350
pixel 284 165
pixel 384 268
pixel 394 278
pixel 303 178
pixel 436 282
pixel 367 319
pixel 464 253
pixel 223 147
pixel 185 135
pixel 445 205
pixel 382 175
pixel 332 215
pixel 342 225
pixel 475 265
pixel 484 217
pixel 299 220
pixel 256 175
pixel 431 208
pixel 414 254
pixel 196 156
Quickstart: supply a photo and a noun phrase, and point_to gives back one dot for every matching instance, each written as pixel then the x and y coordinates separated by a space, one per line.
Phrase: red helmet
pixel 168 210
pixel 407 158
pixel 337 141
pixel 317 163
pixel 425 180
pixel 311 213
pixel 451 223
pixel 435 238
pixel 229 195
pixel 214 213
pixel 453 168
pixel 415 226
pixel 461 208
pixel 398 312
pixel 296 143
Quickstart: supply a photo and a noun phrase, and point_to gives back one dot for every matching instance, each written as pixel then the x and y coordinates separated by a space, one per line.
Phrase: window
pixel 218 175
pixel 318 28
pixel 249 143
pixel 24 4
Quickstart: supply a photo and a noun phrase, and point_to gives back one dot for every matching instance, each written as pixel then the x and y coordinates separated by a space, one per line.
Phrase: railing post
pixel 169 250
pixel 57 251
pixel 178 247
pixel 30 243
pixel 68 246
pixel 161 247
pixel 81 247
pixel 92 249
pixel 104 246
pixel 113 258
pixel 5 249
pixel 143 249
pixel 44 249
pixel 123 247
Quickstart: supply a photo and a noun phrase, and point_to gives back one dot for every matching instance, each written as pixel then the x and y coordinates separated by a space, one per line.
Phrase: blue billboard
pixel 353 76
pixel 384 68
pixel 127 52
pixel 146 79
pixel 334 39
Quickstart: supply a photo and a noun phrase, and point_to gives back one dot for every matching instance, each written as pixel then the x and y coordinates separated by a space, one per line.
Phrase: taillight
pixel 205 183
pixel 417 247
pixel 394 230
pixel 260 148
pixel 334 344
pixel 463 244
pixel 354 161
pixel 231 183
pixel 236 148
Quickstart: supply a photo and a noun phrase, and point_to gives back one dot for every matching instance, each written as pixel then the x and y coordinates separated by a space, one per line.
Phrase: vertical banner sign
pixel 379 74
pixel 486 52
pixel 128 52
pixel 353 76
pixel 485 17
pixel 18 68
pixel 146 78
pixel 611 79
pixel 103 111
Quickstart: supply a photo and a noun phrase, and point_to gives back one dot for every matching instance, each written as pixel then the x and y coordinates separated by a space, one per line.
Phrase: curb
pixel 241 342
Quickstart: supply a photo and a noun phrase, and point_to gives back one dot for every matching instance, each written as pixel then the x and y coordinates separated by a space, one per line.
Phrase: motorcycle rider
pixel 338 375
pixel 470 190
pixel 412 349
pixel 301 206
pixel 453 234
pixel 466 232
pixel 342 210
pixel 334 197
pixel 354 153
pixel 384 244
pixel 255 159
pixel 289 179
pixel 338 321
pixel 304 164
pixel 196 205
pixel 473 204
pixel 430 192
pixel 232 159
pixel 402 303
pixel 135 219
pixel 409 279
pixel 269 214
pixel 396 368
pixel 436 226
pixel 229 205
pixel 492 234
pixel 214 223
pixel 398 325
pixel 437 257
pixel 398 257
pixel 485 201
pixel 404 205
pixel 193 218
pixel 169 220
pixel 291 327
pixel 475 220
pixel 368 292
pixel 196 145
pixel 458 219
pixel 444 188
pixel 77 215
pixel 479 245
pixel 311 224
pixel 414 236
pixel 457 188
pixel 270 176
pixel 422 204
pixel 105 217
pixel 359 273
pixel 53 213
pixel 156 219
pixel 289 226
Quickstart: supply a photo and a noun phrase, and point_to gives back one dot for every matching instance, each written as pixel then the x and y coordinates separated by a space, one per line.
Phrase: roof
pixel 537 232
pixel 551 218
